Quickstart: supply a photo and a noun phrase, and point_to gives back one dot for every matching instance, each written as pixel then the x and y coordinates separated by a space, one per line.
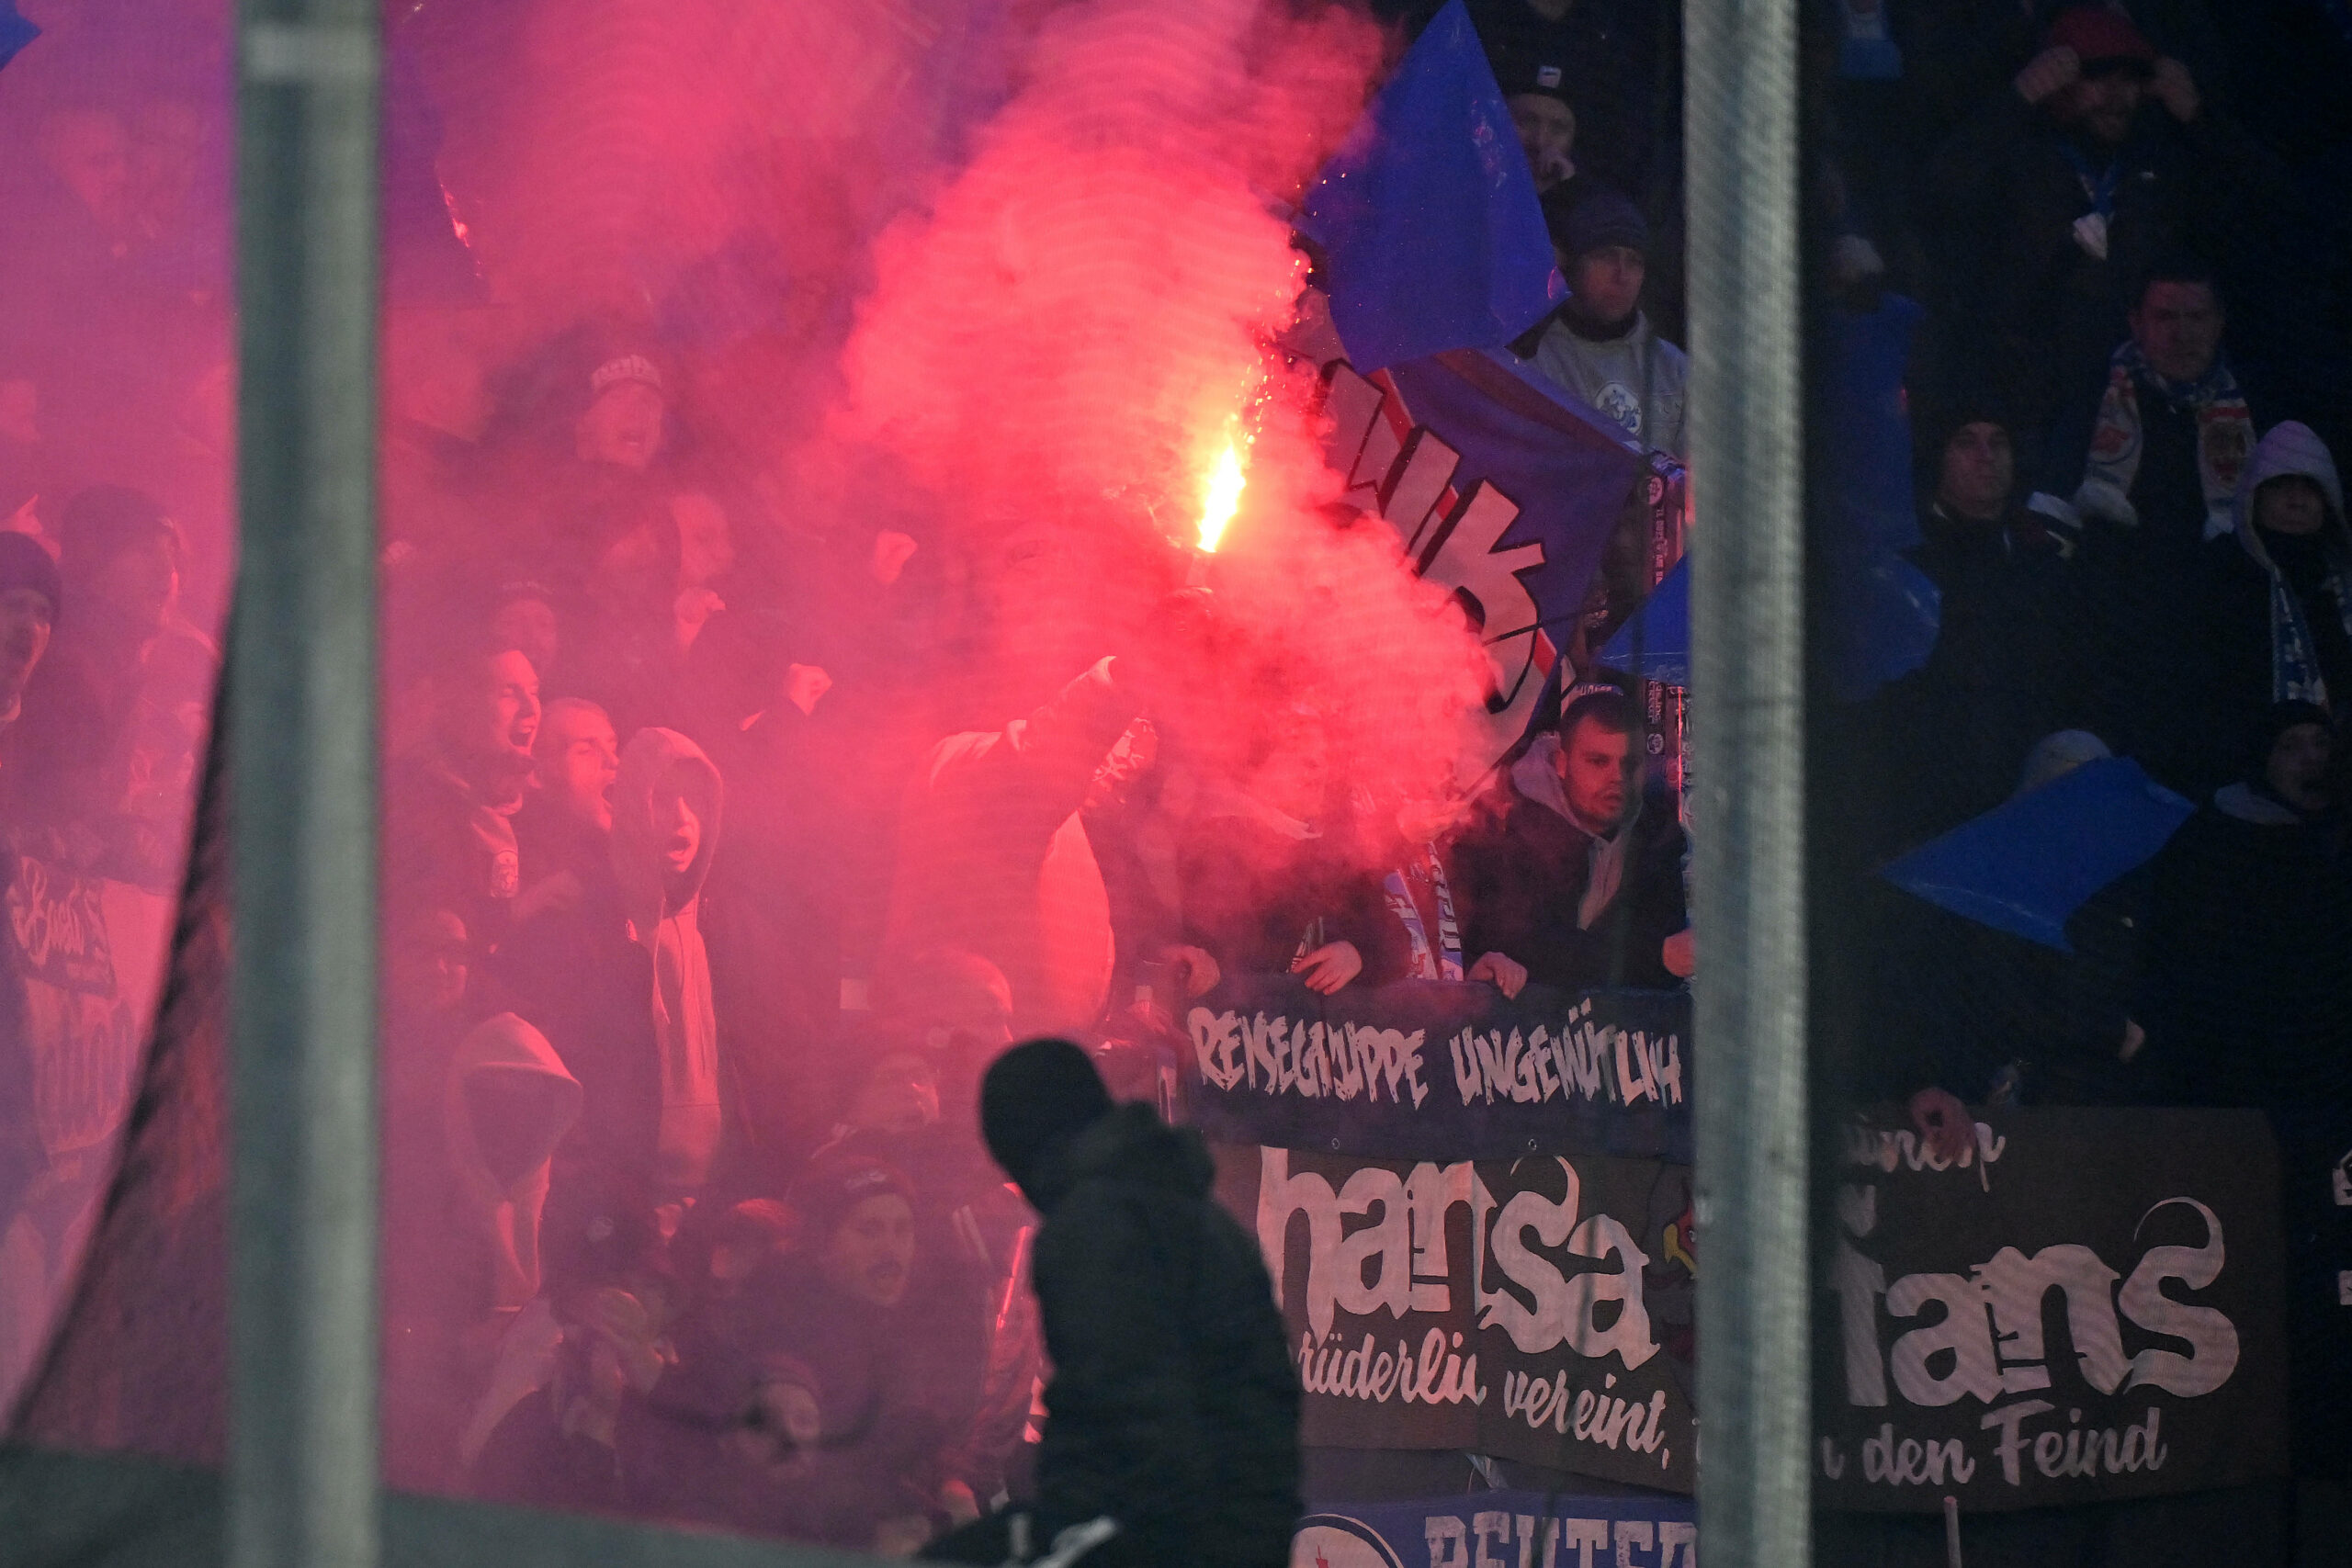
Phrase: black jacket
pixel 1173 1407
pixel 1254 898
pixel 2008 666
pixel 1520 879
pixel 583 983
pixel 2245 986
pixel 2010 197
pixel 2146 587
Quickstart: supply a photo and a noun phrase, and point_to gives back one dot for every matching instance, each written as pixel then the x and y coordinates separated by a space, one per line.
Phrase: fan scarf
pixel 1445 960
pixel 2225 438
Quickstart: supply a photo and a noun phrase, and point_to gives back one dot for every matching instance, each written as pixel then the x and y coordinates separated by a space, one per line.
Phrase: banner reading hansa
pixel 1446 1070
pixel 1539 1309
pixel 2088 1308
pixel 1488 1529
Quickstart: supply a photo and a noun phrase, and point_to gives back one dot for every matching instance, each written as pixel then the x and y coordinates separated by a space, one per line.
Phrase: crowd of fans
pixel 2108 243
pixel 699 937
pixel 723 847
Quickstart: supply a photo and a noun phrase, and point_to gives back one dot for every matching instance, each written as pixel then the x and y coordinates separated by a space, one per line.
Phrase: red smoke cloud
pixel 1073 332
pixel 1021 266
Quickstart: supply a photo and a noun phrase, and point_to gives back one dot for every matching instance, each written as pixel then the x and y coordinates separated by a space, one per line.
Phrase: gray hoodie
pixel 1636 382
pixel 2291 449
pixel 666 922
pixel 510 1101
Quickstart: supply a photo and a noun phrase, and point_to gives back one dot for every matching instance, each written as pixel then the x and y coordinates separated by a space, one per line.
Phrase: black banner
pixel 2085 1308
pixel 1539 1309
pixel 1445 1070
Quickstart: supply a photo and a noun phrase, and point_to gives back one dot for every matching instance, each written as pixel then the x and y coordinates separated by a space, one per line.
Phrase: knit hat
pixel 24 564
pixel 1035 1096
pixel 624 367
pixel 515 590
pixel 2105 40
pixel 601 1231
pixel 1936 420
pixel 2263 735
pixel 833 1185
pixel 1519 72
pixel 1598 217
pixel 102 521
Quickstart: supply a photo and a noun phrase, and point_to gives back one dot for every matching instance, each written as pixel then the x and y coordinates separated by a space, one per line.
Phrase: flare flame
pixel 1222 496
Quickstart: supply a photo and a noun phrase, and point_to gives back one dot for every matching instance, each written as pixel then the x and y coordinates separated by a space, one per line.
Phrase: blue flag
pixel 15 31
pixel 2027 864
pixel 1432 236
pixel 1566 468
pixel 1884 612
pixel 1655 641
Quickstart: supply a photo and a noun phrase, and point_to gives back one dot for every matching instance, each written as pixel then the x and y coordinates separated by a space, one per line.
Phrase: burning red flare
pixel 1221 497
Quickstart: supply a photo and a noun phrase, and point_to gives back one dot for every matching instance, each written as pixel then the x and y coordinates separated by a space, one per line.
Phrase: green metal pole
pixel 1746 433
pixel 300 714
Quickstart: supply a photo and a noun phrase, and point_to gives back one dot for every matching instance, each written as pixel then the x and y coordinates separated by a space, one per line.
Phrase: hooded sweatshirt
pixel 2309 577
pixel 664 919
pixel 1577 909
pixel 2270 620
pixel 509 1103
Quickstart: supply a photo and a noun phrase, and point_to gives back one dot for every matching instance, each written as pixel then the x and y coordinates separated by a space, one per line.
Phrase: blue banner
pixel 1491 1529
pixel 1503 490
pixel 1440 1069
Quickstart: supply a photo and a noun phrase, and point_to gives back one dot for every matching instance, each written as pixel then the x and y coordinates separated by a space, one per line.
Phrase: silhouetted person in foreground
pixel 1172 1431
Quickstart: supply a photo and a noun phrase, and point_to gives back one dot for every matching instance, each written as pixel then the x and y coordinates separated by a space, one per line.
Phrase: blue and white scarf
pixel 2292 450
pixel 1442 960
pixel 2224 438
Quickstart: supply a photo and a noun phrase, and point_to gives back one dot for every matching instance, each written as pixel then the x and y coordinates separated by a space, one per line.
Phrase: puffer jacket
pixel 1173 1407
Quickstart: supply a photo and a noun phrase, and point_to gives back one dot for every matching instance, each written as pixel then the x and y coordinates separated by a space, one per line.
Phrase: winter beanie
pixel 1520 73
pixel 24 564
pixel 824 1195
pixel 2263 735
pixel 1037 1095
pixel 1599 217
pixel 624 367
pixel 2103 40
pixel 1936 420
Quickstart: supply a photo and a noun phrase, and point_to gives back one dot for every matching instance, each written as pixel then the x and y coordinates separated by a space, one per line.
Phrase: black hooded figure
pixel 1172 1431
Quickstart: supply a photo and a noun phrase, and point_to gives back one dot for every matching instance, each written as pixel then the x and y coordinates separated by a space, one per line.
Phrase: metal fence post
pixel 1745 416
pixel 300 713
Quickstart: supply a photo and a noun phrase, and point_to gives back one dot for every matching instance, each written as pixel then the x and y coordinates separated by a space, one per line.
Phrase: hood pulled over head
pixel 2292 449
pixel 510 1101
pixel 638 842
